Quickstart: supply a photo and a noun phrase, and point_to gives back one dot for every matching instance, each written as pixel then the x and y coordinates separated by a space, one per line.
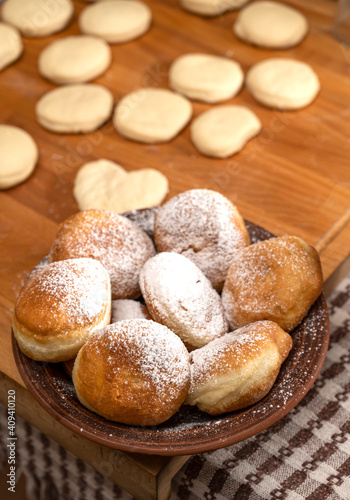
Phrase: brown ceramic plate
pixel 189 431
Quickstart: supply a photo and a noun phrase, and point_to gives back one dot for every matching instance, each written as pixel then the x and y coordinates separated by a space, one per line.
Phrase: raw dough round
pixel 152 115
pixel 224 130
pixel 116 20
pixel 106 185
pixel 75 59
pixel 11 46
pixel 206 77
pixel 19 155
pixel 283 83
pixel 277 280
pixel 271 24
pixel 211 7
pixel 35 18
pixel 75 108
pixel 136 372
pixel 237 369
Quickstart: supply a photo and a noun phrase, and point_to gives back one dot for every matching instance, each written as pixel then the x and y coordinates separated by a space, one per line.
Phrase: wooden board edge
pixel 127 470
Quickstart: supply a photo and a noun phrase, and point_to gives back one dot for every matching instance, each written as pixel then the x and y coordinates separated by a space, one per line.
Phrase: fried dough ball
pixel 277 279
pixel 134 372
pixel 59 308
pixel 205 227
pixel 238 369
pixel 117 242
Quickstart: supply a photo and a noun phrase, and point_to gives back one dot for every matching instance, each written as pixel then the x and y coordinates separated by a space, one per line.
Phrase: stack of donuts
pixel 198 316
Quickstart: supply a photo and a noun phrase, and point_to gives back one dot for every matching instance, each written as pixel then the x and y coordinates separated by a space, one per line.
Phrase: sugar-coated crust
pixel 59 307
pixel 277 279
pixel 238 369
pixel 117 242
pixel 267 81
pixel 134 372
pixel 205 227
pixel 180 296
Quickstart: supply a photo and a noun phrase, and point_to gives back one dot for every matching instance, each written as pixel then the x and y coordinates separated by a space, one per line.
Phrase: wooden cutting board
pixel 293 178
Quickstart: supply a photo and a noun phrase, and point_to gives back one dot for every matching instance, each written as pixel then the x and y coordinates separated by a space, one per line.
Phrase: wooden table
pixel 293 178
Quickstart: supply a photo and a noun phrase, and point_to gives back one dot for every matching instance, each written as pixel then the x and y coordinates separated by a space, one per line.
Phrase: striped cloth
pixel 306 455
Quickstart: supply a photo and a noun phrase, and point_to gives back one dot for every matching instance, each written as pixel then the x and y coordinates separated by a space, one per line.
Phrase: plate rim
pixel 189 448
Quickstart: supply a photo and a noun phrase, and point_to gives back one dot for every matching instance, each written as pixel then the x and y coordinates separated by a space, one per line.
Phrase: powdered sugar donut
pixel 117 242
pixel 59 307
pixel 37 18
pixel 135 372
pixel 277 279
pixel 238 369
pixel 179 296
pixel 205 227
pixel 283 83
pixel 116 21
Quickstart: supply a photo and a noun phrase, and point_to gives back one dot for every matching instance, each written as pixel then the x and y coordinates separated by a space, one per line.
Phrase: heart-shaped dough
pixel 106 185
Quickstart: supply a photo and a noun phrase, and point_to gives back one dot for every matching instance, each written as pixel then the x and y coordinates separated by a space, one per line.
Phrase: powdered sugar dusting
pixel 127 309
pixel 71 293
pixel 151 349
pixel 118 243
pixel 203 226
pixel 241 345
pixel 270 280
pixel 179 295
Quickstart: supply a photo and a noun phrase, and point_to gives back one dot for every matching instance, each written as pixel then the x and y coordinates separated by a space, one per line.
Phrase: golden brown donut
pixel 238 369
pixel 277 279
pixel 134 372
pixel 181 297
pixel 59 307
pixel 205 227
pixel 117 242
